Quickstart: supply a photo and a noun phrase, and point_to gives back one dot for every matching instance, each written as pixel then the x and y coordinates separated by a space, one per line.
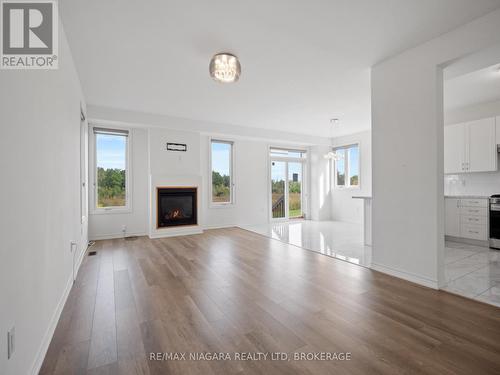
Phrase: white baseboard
pixel 206 227
pixel 175 232
pixel 414 278
pixel 47 338
pixel 113 236
pixel 49 333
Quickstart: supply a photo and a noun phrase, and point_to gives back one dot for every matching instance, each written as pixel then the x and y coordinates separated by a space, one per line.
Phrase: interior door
pixel 278 191
pixel 84 191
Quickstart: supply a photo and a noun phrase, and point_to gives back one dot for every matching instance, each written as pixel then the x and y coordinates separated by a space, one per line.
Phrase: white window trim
pixel 346 166
pixel 232 201
pixel 94 210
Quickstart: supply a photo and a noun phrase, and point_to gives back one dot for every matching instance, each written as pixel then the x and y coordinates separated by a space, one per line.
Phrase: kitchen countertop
pixel 468 196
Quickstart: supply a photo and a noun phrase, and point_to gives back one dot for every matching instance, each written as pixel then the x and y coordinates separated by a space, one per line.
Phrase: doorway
pixel 84 209
pixel 287 184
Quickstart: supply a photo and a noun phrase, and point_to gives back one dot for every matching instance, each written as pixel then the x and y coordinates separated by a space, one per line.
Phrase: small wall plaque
pixel 177 147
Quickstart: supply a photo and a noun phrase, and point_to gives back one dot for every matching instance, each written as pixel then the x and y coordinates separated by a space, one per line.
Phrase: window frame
pixel 347 185
pixel 128 172
pixel 232 185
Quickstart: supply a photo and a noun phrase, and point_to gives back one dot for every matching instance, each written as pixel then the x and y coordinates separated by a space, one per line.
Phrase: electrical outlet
pixel 11 342
pixel 124 229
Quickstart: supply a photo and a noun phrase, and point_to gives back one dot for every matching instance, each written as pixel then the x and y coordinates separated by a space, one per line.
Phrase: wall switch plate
pixel 11 342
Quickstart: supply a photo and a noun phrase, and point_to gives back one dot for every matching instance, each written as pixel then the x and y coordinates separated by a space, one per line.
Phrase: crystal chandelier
pixel 225 68
pixel 332 155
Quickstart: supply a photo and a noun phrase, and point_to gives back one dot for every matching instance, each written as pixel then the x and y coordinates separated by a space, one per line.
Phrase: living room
pixel 221 187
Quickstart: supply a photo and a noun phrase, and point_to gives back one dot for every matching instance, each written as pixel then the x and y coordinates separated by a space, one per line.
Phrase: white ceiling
pixel 472 88
pixel 303 62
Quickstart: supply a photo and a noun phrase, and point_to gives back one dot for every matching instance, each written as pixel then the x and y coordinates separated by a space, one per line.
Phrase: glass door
pixel 295 209
pixel 278 191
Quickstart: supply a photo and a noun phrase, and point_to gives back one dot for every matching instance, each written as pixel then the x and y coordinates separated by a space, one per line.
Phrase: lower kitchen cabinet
pixel 467 218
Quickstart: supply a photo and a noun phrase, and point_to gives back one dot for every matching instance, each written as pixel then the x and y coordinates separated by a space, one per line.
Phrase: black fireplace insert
pixel 176 206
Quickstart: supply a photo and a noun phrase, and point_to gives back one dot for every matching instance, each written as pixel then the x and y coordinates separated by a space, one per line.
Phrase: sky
pixel 220 158
pixel 353 161
pixel 278 170
pixel 111 150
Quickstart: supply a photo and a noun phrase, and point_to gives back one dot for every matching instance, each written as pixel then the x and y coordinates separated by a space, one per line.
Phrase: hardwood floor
pixel 234 291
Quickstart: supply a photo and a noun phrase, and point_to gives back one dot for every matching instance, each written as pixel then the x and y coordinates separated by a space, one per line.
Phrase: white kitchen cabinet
pixel 454 148
pixel 452 217
pixel 470 147
pixel 498 130
pixel 482 146
pixel 466 218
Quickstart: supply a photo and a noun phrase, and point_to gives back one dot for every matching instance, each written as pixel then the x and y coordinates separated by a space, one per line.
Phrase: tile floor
pixel 333 238
pixel 473 271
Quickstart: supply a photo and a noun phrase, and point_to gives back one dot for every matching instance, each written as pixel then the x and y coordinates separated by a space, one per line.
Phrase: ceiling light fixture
pixel 225 68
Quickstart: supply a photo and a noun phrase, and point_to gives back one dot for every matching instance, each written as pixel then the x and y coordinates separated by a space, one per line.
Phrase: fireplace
pixel 176 206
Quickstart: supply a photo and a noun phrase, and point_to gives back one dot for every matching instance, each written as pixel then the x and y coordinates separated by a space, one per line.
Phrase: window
pixel 111 169
pixel 221 172
pixel 346 166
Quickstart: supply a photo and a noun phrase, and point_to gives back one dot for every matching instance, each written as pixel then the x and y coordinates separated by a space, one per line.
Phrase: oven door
pixel 495 221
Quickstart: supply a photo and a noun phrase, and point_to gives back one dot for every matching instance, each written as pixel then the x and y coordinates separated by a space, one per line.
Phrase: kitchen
pixel 472 178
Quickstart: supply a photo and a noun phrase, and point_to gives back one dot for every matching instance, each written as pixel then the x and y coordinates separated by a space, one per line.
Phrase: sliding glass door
pixel 287 184
pixel 278 183
pixel 295 190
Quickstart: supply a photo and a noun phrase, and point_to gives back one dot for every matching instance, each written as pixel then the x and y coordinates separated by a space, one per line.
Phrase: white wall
pixel 251 169
pixel 251 193
pixel 320 174
pixel 473 112
pixel 39 163
pixel 251 178
pixel 344 208
pixel 163 162
pixel 407 142
pixel 110 225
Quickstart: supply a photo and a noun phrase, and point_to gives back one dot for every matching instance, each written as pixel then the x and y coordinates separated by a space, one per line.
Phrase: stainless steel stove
pixel 495 221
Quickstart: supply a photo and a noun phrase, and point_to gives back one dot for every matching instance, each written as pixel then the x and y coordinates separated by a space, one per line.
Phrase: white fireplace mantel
pixel 156 181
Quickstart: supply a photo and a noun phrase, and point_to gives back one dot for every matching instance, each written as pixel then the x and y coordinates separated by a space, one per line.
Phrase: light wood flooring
pixel 229 290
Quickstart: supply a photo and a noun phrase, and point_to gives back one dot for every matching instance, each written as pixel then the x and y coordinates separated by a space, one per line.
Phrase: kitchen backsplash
pixel 472 184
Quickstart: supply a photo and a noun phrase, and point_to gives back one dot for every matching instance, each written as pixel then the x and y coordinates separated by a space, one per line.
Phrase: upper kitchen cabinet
pixel 454 148
pixel 470 147
pixel 482 144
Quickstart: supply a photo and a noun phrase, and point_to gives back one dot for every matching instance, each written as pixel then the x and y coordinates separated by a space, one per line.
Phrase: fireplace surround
pixel 176 206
